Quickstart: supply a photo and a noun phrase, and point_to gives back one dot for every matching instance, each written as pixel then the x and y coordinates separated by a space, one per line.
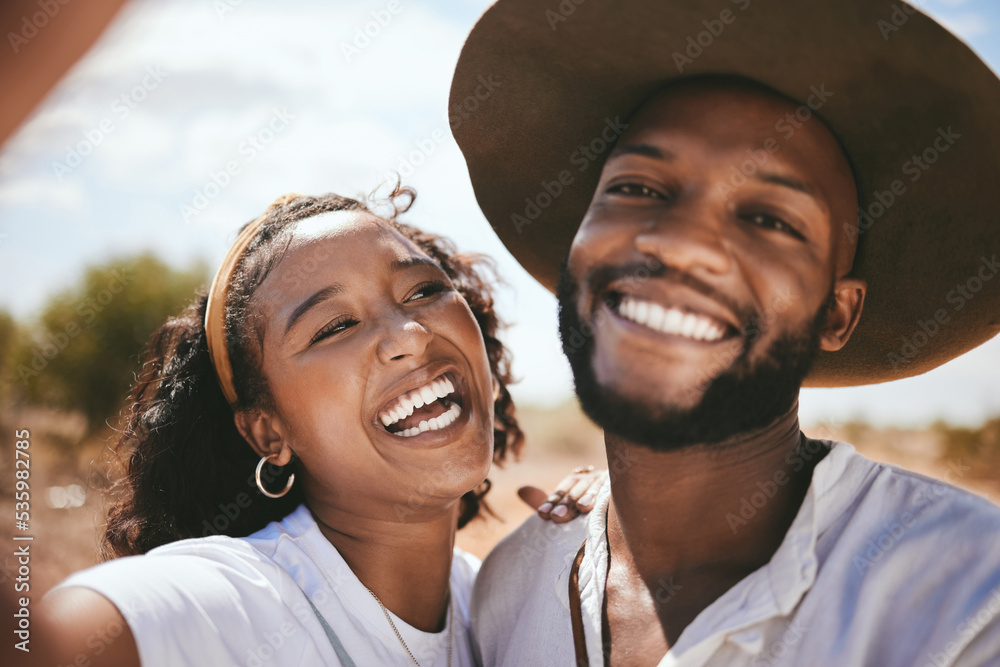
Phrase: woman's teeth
pixel 670 320
pixel 438 388
pixel 435 423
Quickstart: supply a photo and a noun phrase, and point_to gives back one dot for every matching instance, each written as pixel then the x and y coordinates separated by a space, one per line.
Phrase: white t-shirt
pixel 880 567
pixel 219 600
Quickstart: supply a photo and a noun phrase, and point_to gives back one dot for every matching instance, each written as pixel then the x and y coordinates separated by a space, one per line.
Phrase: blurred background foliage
pixel 81 352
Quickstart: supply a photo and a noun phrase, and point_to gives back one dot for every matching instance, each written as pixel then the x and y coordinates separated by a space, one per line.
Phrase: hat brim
pixel 537 91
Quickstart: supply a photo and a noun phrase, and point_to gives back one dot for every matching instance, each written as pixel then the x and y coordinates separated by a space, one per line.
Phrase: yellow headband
pixel 215 313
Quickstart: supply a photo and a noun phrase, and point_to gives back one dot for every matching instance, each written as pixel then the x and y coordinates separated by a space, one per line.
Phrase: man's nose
pixel 691 237
pixel 402 337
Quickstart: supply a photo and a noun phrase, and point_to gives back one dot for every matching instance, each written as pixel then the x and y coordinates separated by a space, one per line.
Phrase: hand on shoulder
pixel 573 496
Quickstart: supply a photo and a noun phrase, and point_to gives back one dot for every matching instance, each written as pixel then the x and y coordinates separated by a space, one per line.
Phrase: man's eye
pixel 771 222
pixel 635 190
pixel 427 290
pixel 337 326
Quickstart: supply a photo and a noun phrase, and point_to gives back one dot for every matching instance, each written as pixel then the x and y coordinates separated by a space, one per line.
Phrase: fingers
pixel 585 502
pixel 574 495
pixel 532 495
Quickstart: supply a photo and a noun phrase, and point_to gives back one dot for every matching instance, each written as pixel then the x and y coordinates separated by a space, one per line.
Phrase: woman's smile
pixel 431 406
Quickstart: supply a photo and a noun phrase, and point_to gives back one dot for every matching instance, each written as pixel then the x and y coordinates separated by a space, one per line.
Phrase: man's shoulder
pixel 524 569
pixel 522 587
pixel 937 507
pixel 905 544
pixel 535 548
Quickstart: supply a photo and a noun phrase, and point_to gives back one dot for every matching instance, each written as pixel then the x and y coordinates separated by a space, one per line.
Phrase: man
pixel 699 164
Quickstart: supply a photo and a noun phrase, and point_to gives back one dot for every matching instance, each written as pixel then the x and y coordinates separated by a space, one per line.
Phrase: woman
pixel 352 362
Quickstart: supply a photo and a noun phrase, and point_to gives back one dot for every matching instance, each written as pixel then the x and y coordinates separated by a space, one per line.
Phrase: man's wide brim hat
pixel 540 87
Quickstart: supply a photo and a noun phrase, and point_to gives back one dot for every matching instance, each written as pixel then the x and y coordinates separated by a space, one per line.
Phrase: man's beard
pixel 743 398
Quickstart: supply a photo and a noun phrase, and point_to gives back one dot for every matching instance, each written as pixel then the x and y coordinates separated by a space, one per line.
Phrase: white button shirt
pixel 880 567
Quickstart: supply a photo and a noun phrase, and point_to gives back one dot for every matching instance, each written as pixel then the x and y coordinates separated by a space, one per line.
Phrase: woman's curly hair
pixel 188 471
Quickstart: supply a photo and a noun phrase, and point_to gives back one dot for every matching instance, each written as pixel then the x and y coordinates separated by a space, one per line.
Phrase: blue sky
pixel 178 91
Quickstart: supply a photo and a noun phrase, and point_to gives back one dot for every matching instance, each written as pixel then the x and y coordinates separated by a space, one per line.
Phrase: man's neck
pixel 680 534
pixel 681 511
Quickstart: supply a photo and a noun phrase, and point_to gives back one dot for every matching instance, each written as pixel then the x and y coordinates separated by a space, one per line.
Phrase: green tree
pixel 8 339
pixel 83 351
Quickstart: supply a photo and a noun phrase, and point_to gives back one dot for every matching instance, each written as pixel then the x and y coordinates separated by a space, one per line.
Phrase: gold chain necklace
pixel 451 627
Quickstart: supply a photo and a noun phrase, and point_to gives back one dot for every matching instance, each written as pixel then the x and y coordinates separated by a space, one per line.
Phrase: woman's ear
pixel 844 313
pixel 264 433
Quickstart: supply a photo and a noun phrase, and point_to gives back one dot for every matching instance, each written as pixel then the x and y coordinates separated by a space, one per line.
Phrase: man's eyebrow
pixel 645 150
pixel 788 182
pixel 317 298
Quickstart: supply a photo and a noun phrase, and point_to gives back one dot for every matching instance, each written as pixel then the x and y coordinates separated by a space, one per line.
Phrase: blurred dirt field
pixel 66 523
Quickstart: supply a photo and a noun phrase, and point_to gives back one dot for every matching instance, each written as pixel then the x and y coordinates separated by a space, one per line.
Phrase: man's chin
pixel 663 426
pixel 667 416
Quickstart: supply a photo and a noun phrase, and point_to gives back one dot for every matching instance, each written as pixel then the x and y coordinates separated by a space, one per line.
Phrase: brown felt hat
pixel 540 87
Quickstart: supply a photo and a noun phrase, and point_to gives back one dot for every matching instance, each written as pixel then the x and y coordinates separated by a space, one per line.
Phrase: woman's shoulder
pixel 220 593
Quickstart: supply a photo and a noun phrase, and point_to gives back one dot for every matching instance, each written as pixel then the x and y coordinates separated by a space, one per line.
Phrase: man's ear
pixel 844 313
pixel 263 432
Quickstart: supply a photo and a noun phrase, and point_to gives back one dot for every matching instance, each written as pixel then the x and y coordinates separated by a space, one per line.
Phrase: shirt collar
pixel 777 587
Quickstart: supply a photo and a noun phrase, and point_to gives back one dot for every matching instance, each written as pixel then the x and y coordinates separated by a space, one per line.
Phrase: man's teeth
pixel 670 320
pixel 437 388
pixel 435 423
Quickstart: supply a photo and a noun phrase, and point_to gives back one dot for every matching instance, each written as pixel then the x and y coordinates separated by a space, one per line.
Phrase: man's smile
pixel 671 308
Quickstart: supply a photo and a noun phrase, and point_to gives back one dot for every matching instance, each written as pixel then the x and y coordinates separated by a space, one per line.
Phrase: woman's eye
pixel 635 190
pixel 333 328
pixel 427 290
pixel 770 222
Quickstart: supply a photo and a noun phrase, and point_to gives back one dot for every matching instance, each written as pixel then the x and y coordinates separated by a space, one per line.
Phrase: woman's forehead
pixel 337 223
pixel 351 242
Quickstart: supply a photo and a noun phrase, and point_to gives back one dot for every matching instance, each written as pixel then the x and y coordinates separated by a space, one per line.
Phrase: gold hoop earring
pixel 260 485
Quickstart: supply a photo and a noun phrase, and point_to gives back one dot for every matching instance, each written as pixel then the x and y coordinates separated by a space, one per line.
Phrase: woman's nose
pixel 402 337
